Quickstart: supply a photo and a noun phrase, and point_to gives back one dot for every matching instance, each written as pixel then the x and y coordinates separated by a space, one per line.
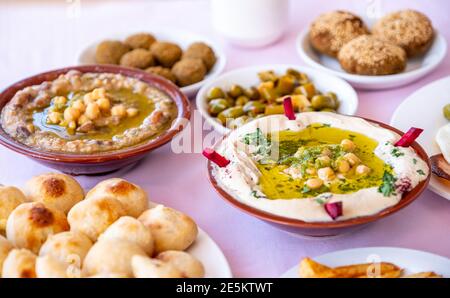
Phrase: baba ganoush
pixel 84 113
pixel 294 168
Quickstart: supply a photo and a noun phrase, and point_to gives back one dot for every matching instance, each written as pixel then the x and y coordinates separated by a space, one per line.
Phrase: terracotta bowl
pixel 77 164
pixel 325 229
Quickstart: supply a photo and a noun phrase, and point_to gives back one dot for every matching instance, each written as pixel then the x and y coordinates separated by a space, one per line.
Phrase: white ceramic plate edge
pixel 405 258
pixel 375 82
pixel 434 185
pixel 209 253
pixel 352 100
pixel 85 56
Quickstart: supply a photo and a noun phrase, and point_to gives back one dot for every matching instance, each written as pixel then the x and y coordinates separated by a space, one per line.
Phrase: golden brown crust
pixel 166 53
pixel 110 52
pixel 201 50
pixel 367 55
pixel 330 31
pixel 54 187
pixel 140 41
pixel 41 216
pixel 162 72
pixel 189 71
pixel 408 29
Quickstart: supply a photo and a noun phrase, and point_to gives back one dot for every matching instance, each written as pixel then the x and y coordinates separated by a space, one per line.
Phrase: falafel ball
pixel 138 58
pixel 201 51
pixel 140 41
pixel 408 29
pixel 110 52
pixel 368 55
pixel 162 72
pixel 330 31
pixel 189 71
pixel 166 53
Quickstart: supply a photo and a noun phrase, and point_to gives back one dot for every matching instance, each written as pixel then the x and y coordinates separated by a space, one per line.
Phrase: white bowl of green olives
pixel 244 94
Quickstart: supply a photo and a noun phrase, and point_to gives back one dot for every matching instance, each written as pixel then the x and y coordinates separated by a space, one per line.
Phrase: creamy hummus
pixel 394 171
pixel 87 113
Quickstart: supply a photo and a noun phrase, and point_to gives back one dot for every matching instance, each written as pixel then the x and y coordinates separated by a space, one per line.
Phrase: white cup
pixel 250 23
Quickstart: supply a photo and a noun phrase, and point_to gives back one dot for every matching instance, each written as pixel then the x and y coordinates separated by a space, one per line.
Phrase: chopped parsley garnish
pixel 396 152
pixel 420 172
pixel 305 189
pixel 255 195
pixel 258 139
pixel 387 187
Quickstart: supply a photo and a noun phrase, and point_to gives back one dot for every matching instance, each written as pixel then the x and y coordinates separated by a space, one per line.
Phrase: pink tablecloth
pixel 39 37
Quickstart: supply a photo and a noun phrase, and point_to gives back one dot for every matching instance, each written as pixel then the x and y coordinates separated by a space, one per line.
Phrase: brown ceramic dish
pixel 326 229
pixel 103 162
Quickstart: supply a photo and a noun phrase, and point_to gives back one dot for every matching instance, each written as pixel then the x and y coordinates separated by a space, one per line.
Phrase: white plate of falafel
pixel 185 58
pixel 398 49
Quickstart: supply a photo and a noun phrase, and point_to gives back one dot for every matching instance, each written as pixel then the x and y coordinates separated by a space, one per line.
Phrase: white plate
pixel 412 261
pixel 182 38
pixel 423 109
pixel 209 253
pixel 415 68
pixel 248 76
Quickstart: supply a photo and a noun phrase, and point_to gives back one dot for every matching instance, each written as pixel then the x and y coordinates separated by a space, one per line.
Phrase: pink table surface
pixel 253 248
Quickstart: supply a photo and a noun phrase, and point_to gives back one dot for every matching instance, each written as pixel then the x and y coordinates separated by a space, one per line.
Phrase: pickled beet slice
pixel 288 108
pixel 215 157
pixel 334 209
pixel 409 137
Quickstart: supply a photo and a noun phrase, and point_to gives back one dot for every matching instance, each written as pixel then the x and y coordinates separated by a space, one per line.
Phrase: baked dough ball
pixel 140 41
pixel 189 71
pixel 408 29
pixel 110 52
pixel 30 224
pixel 144 267
pixel 185 263
pixel 92 217
pixel 133 198
pixel 20 263
pixel 171 229
pixel 166 53
pixel 201 50
pixel 56 191
pixel 10 198
pixel 367 55
pixel 111 256
pixel 162 72
pixel 50 267
pixel 5 248
pixel 138 58
pixel 331 30
pixel 131 229
pixel 69 247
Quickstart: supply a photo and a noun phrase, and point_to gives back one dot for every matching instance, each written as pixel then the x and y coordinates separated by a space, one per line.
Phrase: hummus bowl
pixel 319 175
pixel 90 119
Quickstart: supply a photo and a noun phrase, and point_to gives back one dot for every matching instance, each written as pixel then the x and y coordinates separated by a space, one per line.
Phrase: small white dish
pixel 412 261
pixel 248 76
pixel 212 258
pixel 180 37
pixel 423 109
pixel 415 68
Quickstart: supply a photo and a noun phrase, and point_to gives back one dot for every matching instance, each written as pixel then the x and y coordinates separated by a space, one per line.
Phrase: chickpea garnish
pixel 54 118
pixel 314 183
pixel 104 104
pixel 348 145
pixel 87 98
pixel 83 119
pixel 71 114
pixel 311 171
pixel 131 112
pixel 343 166
pixel 59 101
pixel 79 105
pixel 324 161
pixel 326 174
pixel 362 170
pixel 118 110
pixel 98 93
pixel 352 159
pixel 92 111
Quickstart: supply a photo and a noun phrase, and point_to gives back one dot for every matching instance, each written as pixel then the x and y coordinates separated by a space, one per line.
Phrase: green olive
pixel 217 105
pixel 285 85
pixel 254 108
pixel 293 72
pixel 242 100
pixel 274 109
pixel 267 76
pixel 447 111
pixel 235 91
pixel 252 93
pixel 231 101
pixel 319 102
pixel 215 92
pixel 308 89
pixel 230 113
